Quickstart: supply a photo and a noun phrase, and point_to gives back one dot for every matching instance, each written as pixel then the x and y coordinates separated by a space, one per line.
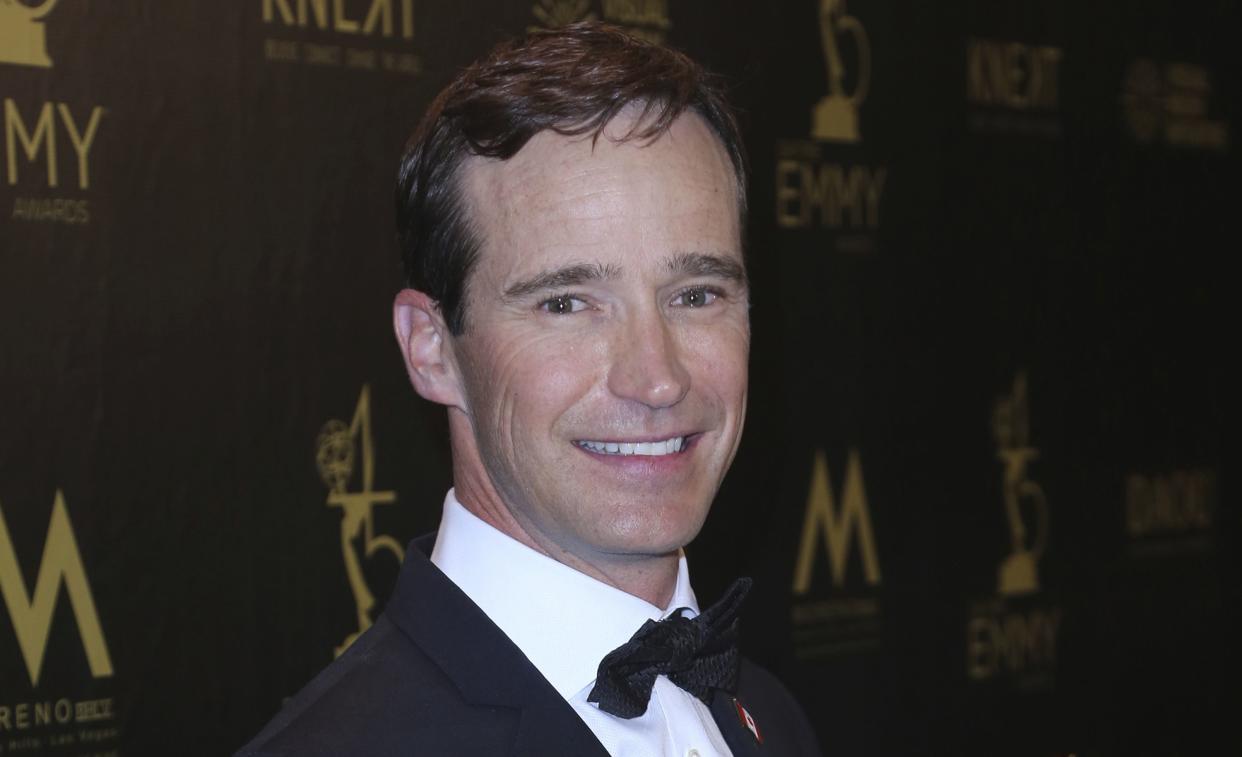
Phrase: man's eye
pixel 562 305
pixel 695 297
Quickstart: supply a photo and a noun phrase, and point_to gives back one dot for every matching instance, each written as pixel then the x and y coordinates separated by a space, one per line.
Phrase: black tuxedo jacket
pixel 435 676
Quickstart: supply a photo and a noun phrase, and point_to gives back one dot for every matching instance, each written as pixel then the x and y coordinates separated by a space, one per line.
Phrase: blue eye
pixel 562 305
pixel 696 297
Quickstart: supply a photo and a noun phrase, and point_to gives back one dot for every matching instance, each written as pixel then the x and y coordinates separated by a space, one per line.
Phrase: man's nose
pixel 647 363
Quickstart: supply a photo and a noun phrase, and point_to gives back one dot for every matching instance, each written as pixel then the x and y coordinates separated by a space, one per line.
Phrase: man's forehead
pixel 576 163
pixel 563 198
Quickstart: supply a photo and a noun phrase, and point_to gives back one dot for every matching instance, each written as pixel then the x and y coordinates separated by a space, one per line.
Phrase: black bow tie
pixel 698 654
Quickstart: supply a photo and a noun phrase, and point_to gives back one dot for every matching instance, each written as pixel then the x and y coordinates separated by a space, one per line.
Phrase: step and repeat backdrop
pixel 982 488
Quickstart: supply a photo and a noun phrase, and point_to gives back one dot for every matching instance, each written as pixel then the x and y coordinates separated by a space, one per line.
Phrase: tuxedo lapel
pixel 484 664
pixel 741 741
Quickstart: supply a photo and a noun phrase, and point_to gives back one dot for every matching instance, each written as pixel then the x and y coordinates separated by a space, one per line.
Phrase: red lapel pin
pixel 747 720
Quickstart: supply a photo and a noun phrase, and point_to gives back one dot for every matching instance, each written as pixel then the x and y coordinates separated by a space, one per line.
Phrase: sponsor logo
pixel 31 614
pixel 646 19
pixel 22 38
pixel 1170 512
pixel 839 526
pixel 1013 636
pixel 361 35
pixel 59 726
pixel 848 620
pixel 1171 103
pixel 85 720
pixel 1013 87
pixel 338 457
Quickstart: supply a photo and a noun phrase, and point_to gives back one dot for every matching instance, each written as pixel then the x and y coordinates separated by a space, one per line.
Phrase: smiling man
pixel 571 216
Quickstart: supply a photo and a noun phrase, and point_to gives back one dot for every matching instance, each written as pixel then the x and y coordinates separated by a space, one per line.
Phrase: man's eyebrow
pixel 559 278
pixel 705 264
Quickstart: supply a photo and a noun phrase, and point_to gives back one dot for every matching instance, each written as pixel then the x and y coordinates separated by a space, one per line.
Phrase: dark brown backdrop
pixel 982 486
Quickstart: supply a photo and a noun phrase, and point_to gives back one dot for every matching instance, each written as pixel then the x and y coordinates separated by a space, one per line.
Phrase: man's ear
pixel 424 339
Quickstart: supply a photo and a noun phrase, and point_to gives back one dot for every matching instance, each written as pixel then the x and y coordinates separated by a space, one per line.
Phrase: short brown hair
pixel 573 81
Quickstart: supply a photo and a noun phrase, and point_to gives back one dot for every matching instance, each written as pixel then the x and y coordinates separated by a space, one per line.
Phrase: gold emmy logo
pixel 835 117
pixel 1018 573
pixel 836 526
pixel 556 13
pixel 336 456
pixel 22 39
pixel 32 614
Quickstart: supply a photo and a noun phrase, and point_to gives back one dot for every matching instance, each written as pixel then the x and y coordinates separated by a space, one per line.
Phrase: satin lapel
pixel 739 738
pixel 486 665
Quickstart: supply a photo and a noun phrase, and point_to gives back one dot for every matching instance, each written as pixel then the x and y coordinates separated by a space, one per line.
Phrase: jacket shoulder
pixel 380 697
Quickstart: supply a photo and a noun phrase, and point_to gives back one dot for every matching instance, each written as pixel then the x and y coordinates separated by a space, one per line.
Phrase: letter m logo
pixel 837 525
pixel 32 617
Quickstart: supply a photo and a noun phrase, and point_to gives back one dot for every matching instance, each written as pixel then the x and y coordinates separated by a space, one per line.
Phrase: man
pixel 570 215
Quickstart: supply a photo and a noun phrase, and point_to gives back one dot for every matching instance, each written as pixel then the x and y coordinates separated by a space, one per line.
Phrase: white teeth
pixel 649 449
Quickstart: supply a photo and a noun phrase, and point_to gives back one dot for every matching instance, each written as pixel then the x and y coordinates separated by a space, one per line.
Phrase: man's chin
pixel 646 533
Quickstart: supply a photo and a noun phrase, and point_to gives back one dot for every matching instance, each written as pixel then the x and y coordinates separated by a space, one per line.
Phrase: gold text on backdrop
pixel 837 526
pixel 32 614
pixel 847 618
pixel 317 13
pixel 1013 75
pixel 42 138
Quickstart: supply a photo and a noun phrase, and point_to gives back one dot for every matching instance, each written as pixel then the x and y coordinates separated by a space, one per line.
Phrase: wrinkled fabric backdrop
pixel 981 488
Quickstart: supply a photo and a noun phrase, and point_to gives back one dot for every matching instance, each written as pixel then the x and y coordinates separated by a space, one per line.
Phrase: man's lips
pixel 672 445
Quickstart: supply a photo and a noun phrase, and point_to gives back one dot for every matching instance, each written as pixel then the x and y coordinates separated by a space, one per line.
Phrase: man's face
pixel 603 364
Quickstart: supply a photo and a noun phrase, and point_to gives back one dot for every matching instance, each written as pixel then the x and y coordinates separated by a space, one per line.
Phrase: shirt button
pixel 692 753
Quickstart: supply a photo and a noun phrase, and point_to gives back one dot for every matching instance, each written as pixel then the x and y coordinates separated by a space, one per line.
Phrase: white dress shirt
pixel 565 622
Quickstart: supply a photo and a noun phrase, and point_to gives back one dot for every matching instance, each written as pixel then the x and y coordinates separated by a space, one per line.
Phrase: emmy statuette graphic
pixel 335 457
pixel 835 117
pixel 1018 573
pixel 22 39
pixel 553 14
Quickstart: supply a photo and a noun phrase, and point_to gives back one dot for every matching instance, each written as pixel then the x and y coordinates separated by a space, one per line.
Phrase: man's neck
pixel 651 578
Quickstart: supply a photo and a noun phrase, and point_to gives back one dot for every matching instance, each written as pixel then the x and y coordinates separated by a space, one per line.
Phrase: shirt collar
pixel 564 621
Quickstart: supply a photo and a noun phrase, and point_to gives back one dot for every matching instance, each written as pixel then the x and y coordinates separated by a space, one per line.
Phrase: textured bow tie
pixel 698 654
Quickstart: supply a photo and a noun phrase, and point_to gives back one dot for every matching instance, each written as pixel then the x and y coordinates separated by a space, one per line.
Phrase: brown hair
pixel 573 81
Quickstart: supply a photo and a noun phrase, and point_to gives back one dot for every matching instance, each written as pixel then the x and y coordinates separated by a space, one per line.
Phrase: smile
pixel 651 449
